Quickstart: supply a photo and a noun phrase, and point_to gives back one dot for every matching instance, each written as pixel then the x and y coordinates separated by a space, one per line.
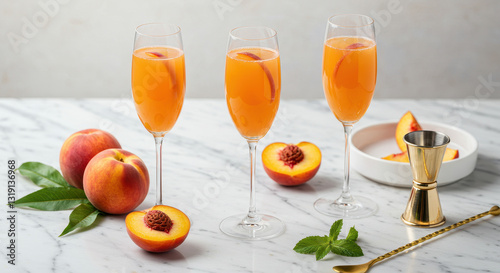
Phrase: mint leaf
pixel 346 248
pixel 82 216
pixel 335 229
pixel 42 175
pixel 321 245
pixel 322 251
pixel 53 199
pixel 353 235
pixel 310 244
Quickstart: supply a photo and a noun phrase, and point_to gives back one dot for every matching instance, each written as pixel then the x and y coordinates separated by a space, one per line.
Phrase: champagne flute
pixel 349 77
pixel 158 83
pixel 253 85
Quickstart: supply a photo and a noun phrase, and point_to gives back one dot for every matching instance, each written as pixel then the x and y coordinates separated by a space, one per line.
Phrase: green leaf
pixel 82 216
pixel 53 199
pixel 346 248
pixel 42 175
pixel 310 244
pixel 353 235
pixel 322 251
pixel 335 229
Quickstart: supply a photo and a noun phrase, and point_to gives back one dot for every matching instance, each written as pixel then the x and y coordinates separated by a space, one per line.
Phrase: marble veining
pixel 206 175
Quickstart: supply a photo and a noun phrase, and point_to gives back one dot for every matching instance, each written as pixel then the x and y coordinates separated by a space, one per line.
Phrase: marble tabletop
pixel 206 175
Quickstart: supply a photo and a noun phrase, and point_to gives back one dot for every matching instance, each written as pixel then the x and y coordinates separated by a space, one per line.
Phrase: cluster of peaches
pixel 408 123
pixel 116 181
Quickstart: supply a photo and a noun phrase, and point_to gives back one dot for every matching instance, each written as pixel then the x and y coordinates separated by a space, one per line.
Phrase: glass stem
pixel 252 146
pixel 346 194
pixel 158 144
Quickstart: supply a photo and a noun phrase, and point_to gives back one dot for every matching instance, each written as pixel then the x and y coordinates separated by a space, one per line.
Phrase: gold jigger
pixel 425 150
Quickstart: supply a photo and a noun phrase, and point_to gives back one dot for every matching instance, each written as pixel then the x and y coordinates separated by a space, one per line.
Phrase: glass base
pixel 353 208
pixel 260 227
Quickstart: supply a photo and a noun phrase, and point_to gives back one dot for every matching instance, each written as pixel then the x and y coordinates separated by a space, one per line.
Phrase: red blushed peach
pixel 158 229
pixel 116 181
pixel 406 124
pixel 289 164
pixel 79 149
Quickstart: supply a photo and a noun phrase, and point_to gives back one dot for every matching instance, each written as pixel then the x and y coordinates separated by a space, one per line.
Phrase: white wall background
pixel 74 48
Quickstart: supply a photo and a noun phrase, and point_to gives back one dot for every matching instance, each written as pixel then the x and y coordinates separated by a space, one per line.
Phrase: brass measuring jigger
pixel 425 150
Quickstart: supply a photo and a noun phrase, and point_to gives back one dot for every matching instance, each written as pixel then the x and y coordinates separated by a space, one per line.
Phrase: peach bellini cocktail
pixel 158 83
pixel 253 85
pixel 253 89
pixel 349 77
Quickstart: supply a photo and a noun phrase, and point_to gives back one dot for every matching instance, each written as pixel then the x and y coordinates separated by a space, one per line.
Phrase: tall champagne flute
pixel 253 85
pixel 158 83
pixel 349 77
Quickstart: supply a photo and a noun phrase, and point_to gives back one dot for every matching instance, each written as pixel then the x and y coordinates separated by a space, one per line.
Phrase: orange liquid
pixel 253 90
pixel 349 76
pixel 158 86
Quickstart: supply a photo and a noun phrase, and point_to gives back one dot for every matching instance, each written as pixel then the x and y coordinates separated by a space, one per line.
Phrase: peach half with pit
pixel 291 164
pixel 158 229
pixel 79 148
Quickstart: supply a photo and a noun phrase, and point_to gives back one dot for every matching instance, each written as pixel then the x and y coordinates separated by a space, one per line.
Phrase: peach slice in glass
pixel 346 53
pixel 168 65
pixel 266 70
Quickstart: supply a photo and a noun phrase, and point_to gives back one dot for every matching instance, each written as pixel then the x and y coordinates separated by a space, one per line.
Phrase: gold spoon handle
pixel 495 210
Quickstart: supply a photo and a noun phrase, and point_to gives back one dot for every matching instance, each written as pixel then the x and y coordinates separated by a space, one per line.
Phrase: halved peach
pixel 449 154
pixel 158 229
pixel 407 123
pixel 290 164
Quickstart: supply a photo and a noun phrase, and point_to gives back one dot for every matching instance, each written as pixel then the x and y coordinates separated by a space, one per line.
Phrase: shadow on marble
pixel 306 188
pixel 173 255
pixel 323 183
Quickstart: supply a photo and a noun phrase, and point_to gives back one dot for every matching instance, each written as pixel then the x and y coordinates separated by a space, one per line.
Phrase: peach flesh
pixel 153 240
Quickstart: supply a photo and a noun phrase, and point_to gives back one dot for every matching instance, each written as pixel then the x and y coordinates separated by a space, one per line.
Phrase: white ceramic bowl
pixel 372 142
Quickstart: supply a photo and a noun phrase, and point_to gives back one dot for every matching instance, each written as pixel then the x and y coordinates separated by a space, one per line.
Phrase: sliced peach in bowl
pixel 401 157
pixel 407 123
pixel 449 154
pixel 158 229
pixel 290 164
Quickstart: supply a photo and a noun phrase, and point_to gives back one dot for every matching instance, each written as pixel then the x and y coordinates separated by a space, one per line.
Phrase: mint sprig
pixel 56 194
pixel 322 245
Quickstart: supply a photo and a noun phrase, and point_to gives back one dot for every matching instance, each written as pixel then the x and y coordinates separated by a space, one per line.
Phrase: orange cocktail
pixel 253 87
pixel 158 86
pixel 349 76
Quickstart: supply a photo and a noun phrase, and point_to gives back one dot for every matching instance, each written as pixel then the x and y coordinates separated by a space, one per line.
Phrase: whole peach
pixel 79 148
pixel 116 181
